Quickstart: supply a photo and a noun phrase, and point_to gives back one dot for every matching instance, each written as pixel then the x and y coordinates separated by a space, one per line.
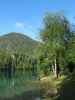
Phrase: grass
pixel 51 84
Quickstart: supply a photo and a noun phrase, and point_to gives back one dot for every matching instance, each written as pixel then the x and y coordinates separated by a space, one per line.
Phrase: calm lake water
pixel 20 82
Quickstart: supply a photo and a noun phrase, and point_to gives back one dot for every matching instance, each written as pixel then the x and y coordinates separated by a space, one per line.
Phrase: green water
pixel 21 81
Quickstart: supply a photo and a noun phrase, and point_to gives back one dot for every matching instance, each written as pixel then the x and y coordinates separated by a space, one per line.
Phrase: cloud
pixel 19 24
pixel 24 26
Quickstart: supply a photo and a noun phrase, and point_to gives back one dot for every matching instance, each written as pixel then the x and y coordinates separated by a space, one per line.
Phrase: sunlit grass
pixel 51 84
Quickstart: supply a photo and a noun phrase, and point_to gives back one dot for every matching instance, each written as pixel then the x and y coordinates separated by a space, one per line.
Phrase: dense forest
pixel 16 52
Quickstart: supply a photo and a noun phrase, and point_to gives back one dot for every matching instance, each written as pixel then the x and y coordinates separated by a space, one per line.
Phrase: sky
pixel 25 16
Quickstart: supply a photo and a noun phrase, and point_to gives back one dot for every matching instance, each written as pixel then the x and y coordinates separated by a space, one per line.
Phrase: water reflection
pixel 19 81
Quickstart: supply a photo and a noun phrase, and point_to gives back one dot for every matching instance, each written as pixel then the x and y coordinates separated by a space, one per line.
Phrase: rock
pixel 50 93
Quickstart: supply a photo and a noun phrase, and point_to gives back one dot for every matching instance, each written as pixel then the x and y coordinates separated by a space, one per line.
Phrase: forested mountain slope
pixel 17 42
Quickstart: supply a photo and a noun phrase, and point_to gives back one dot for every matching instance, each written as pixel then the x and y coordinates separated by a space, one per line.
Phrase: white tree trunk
pixel 55 69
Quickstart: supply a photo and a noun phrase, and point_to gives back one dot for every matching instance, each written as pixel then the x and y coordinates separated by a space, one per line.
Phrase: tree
pixel 55 34
pixel 70 53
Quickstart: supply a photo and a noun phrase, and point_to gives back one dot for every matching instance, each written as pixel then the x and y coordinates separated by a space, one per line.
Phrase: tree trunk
pixel 55 69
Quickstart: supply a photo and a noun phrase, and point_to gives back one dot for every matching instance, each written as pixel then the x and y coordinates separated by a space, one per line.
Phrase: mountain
pixel 13 42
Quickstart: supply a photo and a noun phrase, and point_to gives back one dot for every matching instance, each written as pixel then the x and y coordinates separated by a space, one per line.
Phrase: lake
pixel 21 83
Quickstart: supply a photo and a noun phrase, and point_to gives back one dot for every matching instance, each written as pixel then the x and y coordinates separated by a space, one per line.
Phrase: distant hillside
pixel 17 42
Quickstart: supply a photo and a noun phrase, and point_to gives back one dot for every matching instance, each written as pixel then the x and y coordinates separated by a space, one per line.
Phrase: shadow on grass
pixel 67 89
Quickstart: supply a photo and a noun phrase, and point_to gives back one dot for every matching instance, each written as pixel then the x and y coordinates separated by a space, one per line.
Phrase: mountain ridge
pixel 17 42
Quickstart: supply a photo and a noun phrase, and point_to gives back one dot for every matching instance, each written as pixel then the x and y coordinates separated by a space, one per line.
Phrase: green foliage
pixel 56 40
pixel 4 58
pixel 70 52
pixel 55 28
pixel 67 88
pixel 16 52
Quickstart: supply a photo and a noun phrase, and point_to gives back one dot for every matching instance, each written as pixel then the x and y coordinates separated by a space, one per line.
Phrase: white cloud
pixel 26 28
pixel 19 24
